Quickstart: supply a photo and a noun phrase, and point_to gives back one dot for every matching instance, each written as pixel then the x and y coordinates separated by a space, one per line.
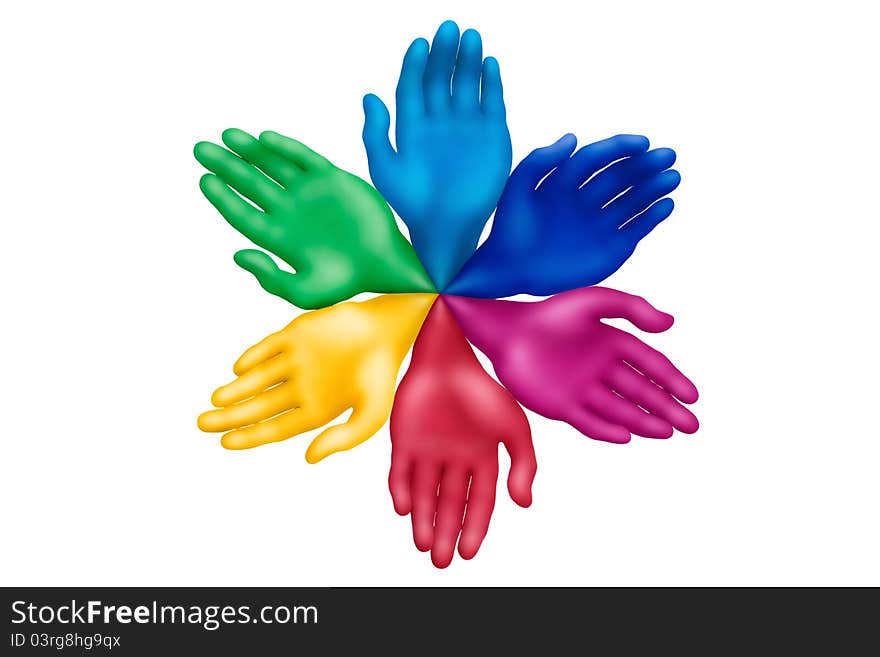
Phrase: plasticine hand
pixel 447 421
pixel 323 363
pixel 333 228
pixel 560 360
pixel 564 234
pixel 453 147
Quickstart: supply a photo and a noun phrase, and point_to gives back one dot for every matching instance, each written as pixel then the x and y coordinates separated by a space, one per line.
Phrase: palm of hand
pixel 467 157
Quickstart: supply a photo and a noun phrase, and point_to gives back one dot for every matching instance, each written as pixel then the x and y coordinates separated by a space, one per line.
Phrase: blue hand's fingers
pixel 639 227
pixel 466 80
pixel 539 163
pixel 639 198
pixel 595 157
pixel 240 214
pixel 377 122
pixel 491 92
pixel 271 163
pixel 438 71
pixel 410 90
pixel 619 177
pixel 249 181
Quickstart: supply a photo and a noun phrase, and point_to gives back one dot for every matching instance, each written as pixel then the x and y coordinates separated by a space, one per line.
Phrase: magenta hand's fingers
pixel 620 411
pixel 632 385
pixel 450 511
pixel 480 504
pixel 610 303
pixel 425 480
pixel 659 369
pixel 399 483
pixel 523 465
pixel 593 426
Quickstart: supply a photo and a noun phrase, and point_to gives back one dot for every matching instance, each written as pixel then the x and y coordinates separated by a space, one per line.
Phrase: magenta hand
pixel 447 421
pixel 560 360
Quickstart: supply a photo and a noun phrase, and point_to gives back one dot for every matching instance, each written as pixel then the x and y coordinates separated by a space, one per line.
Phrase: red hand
pixel 447 421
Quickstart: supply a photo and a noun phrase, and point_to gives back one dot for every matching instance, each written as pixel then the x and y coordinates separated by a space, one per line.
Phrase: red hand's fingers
pixel 399 483
pixel 425 480
pixel 480 503
pixel 450 511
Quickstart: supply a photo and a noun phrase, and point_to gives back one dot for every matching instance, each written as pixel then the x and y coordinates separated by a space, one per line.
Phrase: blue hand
pixel 453 149
pixel 565 234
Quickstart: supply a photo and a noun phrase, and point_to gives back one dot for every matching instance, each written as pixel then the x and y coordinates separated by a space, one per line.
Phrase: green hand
pixel 333 228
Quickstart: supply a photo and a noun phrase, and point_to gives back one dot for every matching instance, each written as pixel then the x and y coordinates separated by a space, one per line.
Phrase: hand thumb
pixel 290 287
pixel 377 123
pixel 363 423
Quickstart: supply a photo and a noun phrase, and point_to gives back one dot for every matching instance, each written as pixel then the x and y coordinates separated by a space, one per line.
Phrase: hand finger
pixel 240 214
pixel 654 399
pixel 265 405
pixel 257 379
pixel 466 79
pixel 620 411
pixel 641 225
pixel 523 464
pixel 540 162
pixel 295 151
pixel 281 427
pixel 480 504
pixel 270 346
pixel 399 482
pixel 660 370
pixel 249 181
pixel 450 513
pixel 365 421
pixel 641 197
pixel 622 175
pixel 377 123
pixel 491 90
pixel 293 288
pixel 410 95
pixel 424 485
pixel 251 150
pixel 595 157
pixel 608 303
pixel 438 70
pixel 598 428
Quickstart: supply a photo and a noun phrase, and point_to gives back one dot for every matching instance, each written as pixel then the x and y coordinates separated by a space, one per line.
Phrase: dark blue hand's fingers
pixel 491 92
pixel 539 163
pixel 639 227
pixel 410 86
pixel 622 175
pixel 438 70
pixel 595 157
pixel 466 79
pixel 640 197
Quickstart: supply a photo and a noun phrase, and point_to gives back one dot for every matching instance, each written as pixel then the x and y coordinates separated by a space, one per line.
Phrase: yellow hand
pixel 313 370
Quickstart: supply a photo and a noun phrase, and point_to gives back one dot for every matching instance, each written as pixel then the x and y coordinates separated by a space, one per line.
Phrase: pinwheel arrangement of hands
pixel 565 219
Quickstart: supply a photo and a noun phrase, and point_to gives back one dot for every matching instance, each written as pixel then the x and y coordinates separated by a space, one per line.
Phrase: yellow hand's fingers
pixel 252 382
pixel 271 345
pixel 284 426
pixel 363 423
pixel 262 407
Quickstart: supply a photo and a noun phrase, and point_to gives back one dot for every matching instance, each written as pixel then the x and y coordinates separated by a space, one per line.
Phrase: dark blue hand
pixel 564 234
pixel 453 148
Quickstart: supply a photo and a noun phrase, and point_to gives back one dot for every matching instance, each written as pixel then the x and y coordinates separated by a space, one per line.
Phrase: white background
pixel 123 310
